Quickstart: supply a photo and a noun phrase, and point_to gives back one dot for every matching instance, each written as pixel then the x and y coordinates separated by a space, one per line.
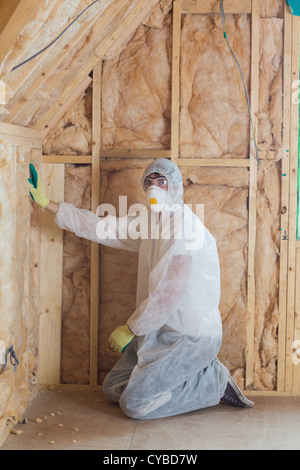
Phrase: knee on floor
pixel 128 407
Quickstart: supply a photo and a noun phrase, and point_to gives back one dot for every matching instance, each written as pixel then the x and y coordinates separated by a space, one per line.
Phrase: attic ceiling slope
pixel 46 63
pixel 36 90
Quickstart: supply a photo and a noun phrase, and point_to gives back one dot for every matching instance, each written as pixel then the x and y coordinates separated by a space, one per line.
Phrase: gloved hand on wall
pixel 120 338
pixel 36 190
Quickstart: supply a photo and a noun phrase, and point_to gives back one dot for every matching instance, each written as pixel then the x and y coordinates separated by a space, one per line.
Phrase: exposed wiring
pixel 241 75
pixel 56 39
pixel 13 358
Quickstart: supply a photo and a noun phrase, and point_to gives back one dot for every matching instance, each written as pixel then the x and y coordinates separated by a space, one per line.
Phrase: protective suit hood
pixel 171 171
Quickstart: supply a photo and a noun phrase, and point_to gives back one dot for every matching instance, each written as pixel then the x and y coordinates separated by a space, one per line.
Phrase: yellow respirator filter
pixel 153 200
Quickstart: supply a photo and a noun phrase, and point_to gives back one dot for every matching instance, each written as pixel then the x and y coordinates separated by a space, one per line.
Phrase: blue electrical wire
pixel 242 77
pixel 13 358
pixel 54 40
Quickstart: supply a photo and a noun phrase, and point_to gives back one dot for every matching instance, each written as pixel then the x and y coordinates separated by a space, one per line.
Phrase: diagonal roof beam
pixel 75 95
pixel 16 79
pixel 7 9
pixel 127 27
pixel 105 17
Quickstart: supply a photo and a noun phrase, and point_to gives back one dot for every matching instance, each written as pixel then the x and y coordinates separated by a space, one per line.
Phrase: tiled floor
pixel 85 420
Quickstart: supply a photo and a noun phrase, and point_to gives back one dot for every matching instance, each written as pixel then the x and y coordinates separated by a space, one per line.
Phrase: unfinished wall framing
pixel 255 332
pixel 260 302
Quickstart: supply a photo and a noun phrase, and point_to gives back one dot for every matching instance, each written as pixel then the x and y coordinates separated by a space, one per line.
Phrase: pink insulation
pixel 137 92
pixel 270 84
pixel 76 285
pixel 214 122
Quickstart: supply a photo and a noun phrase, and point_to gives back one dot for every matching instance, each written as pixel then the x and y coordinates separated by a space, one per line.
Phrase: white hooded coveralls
pixel 170 367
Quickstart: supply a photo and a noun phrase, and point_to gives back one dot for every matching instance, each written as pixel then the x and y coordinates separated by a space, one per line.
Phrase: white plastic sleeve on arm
pixel 86 224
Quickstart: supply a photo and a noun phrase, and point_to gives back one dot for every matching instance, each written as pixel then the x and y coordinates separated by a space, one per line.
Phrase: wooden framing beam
pixel 175 106
pixel 249 393
pixel 84 159
pixel 51 268
pixel 126 28
pixel 145 154
pixel 290 327
pixel 296 342
pixel 95 251
pixel 74 96
pixel 213 6
pixel 135 153
pixel 7 9
pixel 283 269
pixel 25 141
pixel 19 131
pixel 252 197
pixel 18 135
pixel 117 153
pixel 17 16
pixel 215 162
pixel 67 93
pixel 267 154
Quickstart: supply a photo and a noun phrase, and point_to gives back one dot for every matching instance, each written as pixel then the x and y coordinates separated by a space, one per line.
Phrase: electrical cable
pixel 13 358
pixel 56 39
pixel 241 75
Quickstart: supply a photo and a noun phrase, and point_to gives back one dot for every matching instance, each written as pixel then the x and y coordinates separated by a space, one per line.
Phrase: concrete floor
pixel 75 420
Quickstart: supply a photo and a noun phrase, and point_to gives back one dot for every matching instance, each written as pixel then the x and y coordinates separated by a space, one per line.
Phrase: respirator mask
pixel 155 187
pixel 156 197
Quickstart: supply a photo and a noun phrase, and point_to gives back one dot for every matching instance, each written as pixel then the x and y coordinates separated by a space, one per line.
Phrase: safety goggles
pixel 157 180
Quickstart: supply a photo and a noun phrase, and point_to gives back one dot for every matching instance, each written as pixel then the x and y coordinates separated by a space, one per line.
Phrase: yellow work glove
pixel 36 191
pixel 120 338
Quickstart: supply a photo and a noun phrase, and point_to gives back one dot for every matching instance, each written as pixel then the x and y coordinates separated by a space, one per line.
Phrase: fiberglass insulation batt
pixel 19 283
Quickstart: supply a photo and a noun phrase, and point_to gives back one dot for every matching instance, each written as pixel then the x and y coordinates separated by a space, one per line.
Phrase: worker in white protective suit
pixel 170 343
